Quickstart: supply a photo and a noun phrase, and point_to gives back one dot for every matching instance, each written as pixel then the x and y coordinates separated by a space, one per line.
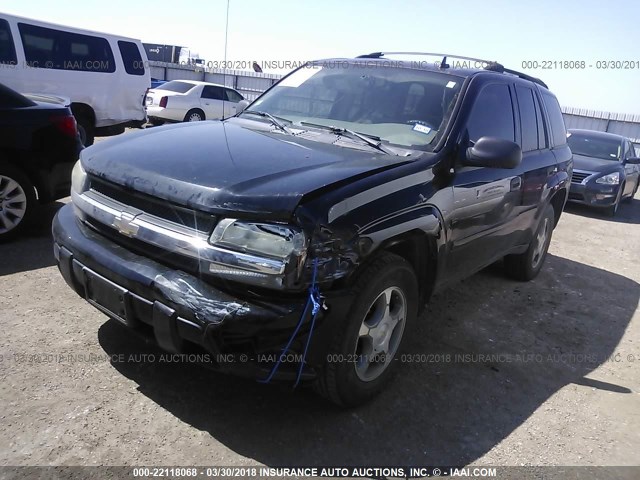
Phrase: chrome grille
pixel 198 221
pixel 578 176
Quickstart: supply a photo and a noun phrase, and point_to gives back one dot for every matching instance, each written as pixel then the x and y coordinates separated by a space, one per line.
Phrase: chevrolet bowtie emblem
pixel 124 223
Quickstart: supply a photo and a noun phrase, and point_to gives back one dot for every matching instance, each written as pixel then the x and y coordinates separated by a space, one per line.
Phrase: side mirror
pixel 493 152
pixel 633 161
pixel 242 104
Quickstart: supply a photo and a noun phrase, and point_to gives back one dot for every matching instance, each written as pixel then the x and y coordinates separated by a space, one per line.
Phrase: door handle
pixel 516 183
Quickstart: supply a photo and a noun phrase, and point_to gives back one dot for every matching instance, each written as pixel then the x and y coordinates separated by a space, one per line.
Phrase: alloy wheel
pixel 380 334
pixel 13 204
pixel 541 242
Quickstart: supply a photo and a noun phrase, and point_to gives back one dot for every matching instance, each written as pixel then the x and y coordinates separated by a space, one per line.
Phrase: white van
pixel 105 76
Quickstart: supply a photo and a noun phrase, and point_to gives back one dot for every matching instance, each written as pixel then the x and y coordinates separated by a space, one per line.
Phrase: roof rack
pixel 490 65
pixel 524 76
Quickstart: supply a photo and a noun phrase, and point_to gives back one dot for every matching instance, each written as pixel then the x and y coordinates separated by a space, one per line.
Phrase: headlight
pixel 611 179
pixel 78 179
pixel 271 240
pixel 264 254
pixel 276 241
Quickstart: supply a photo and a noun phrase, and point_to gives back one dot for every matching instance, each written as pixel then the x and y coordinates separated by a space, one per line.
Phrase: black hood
pixel 592 164
pixel 221 167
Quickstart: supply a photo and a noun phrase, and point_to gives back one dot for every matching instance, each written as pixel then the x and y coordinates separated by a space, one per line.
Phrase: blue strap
pixel 313 300
pixel 314 295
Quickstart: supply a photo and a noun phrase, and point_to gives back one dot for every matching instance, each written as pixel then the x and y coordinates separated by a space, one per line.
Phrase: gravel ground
pixel 504 373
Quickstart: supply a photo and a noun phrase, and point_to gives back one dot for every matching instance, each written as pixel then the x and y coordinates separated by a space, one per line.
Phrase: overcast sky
pixel 276 30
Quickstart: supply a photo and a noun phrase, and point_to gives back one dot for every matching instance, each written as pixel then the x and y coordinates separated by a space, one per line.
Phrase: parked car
pixel 606 172
pixel 190 101
pixel 319 221
pixel 104 75
pixel 39 145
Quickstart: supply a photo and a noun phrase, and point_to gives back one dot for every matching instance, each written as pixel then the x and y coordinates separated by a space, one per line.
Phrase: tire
pixel 157 123
pixel 526 266
pixel 613 209
pixel 18 201
pixel 630 198
pixel 86 130
pixel 194 115
pixel 370 327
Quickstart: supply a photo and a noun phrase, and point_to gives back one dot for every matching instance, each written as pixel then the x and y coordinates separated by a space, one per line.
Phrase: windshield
pixel 176 86
pixel 401 106
pixel 603 148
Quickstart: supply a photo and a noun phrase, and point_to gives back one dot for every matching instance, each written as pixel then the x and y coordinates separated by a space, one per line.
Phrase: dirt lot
pixel 544 373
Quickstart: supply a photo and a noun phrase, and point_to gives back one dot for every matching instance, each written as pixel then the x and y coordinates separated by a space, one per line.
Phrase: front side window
pixel 7 49
pixel 401 106
pixel 233 96
pixel 60 50
pixel 492 114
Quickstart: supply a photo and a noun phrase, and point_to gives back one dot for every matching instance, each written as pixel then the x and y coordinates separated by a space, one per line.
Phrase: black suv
pixel 300 240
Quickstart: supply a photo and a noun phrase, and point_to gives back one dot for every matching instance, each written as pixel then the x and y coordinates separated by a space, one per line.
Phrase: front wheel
pixel 629 199
pixel 17 201
pixel 361 356
pixel 526 266
pixel 612 210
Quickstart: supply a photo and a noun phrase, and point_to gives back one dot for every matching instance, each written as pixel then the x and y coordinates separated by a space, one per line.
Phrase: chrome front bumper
pixel 180 239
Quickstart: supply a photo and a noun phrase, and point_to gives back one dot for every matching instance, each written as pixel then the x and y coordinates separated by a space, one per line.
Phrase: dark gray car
pixel 606 170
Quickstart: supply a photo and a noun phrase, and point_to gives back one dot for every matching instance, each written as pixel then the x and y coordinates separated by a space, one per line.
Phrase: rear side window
pixel 492 114
pixel 7 49
pixel 542 129
pixel 213 92
pixel 528 119
pixel 558 130
pixel 233 96
pixel 49 48
pixel 131 58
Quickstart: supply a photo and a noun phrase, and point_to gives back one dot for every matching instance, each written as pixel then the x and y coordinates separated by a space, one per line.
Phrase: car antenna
pixel 225 66
pixel 444 63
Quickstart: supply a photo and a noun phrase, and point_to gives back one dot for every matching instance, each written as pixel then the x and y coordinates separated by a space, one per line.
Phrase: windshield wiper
pixel 274 121
pixel 370 140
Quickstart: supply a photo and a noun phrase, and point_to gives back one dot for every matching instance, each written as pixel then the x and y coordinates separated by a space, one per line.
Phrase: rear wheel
pixel 17 201
pixel 194 115
pixel 526 266
pixel 86 130
pixel 361 357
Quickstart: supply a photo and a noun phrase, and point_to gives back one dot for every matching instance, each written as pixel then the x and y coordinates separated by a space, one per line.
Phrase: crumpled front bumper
pixel 178 309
